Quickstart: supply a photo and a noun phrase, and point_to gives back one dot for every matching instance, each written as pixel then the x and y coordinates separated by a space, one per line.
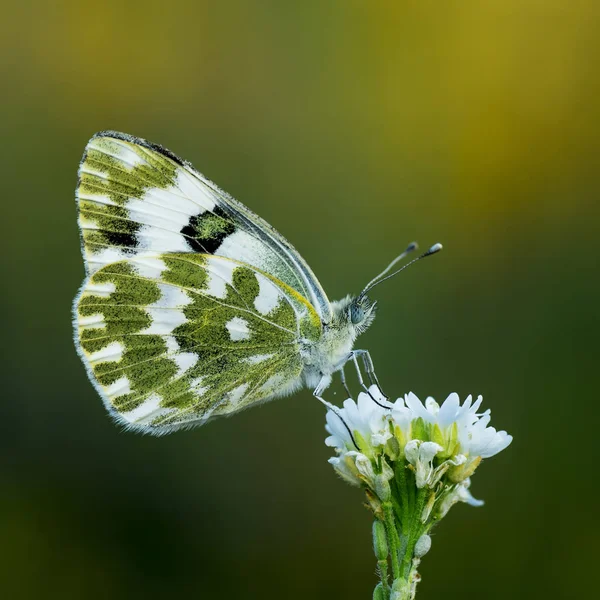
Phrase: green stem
pixel 393 539
pixel 416 529
pixel 401 480
pixel 382 566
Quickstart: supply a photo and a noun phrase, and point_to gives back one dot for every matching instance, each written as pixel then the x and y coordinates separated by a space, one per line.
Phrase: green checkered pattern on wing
pixel 105 173
pixel 222 364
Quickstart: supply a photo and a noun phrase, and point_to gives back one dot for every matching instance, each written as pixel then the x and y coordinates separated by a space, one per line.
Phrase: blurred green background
pixel 354 128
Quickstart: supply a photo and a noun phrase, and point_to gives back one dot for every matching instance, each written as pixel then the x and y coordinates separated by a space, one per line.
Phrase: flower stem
pixel 416 529
pixel 401 480
pixel 393 539
pixel 382 567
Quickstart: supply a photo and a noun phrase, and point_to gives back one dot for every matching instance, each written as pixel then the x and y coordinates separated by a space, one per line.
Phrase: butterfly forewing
pixel 135 197
pixel 173 339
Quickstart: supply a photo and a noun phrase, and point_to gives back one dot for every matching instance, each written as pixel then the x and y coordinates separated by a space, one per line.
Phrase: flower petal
pixel 418 409
pixel 448 411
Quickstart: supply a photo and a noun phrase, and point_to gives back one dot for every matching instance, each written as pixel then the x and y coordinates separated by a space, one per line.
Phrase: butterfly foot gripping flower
pixel 414 462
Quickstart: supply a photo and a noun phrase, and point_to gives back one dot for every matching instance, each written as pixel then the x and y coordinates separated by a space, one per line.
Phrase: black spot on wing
pixel 206 232
pixel 127 241
pixel 189 232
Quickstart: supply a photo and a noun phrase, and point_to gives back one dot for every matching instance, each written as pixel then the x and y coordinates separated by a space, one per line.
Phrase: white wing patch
pixel 92 322
pixel 105 257
pixel 244 247
pixel 164 321
pixel 267 298
pixel 102 290
pixel 149 266
pixel 183 199
pixel 119 387
pixel 258 358
pixel 238 329
pixel 185 361
pixel 219 277
pixel 112 352
pixel 147 411
pixel 237 394
pixel 171 296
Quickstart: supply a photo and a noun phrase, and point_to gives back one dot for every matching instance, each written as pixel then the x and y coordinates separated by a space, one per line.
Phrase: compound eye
pixel 357 314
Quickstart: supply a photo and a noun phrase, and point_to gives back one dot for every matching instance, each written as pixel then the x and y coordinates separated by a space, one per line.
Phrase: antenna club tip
pixel 412 246
pixel 435 248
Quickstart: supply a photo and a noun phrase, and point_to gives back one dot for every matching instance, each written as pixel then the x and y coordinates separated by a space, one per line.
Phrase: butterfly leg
pixel 370 369
pixel 322 386
pixel 361 381
pixel 353 357
pixel 344 382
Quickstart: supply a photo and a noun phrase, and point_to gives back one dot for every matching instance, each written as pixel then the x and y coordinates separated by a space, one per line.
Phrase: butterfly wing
pixel 171 340
pixel 135 197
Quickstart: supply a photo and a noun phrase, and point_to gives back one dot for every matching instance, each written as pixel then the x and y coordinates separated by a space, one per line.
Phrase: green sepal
pixel 362 444
pixel 393 449
pixel 380 545
pixel 420 430
pixel 438 437
pixel 460 473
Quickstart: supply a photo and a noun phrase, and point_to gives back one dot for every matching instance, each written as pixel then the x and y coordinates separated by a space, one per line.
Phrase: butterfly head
pixel 361 313
pixel 353 315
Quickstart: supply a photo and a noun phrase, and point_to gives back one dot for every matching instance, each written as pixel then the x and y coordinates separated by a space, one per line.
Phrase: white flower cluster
pixel 440 445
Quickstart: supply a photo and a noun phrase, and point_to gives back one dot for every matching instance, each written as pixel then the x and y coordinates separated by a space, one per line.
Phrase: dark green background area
pixel 354 128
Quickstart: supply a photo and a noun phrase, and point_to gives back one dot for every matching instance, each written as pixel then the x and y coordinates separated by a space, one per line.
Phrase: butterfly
pixel 193 306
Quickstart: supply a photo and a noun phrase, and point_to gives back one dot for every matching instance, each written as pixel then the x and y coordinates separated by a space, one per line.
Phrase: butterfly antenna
pixel 411 247
pixel 381 277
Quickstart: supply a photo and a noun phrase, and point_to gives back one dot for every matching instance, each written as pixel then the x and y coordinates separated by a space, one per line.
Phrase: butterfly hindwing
pixel 173 339
pixel 135 198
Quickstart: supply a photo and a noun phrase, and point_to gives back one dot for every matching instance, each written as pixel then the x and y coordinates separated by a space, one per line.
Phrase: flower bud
pixel 382 488
pixel 346 469
pixel 380 541
pixel 422 546
pixel 365 469
pixel 378 593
